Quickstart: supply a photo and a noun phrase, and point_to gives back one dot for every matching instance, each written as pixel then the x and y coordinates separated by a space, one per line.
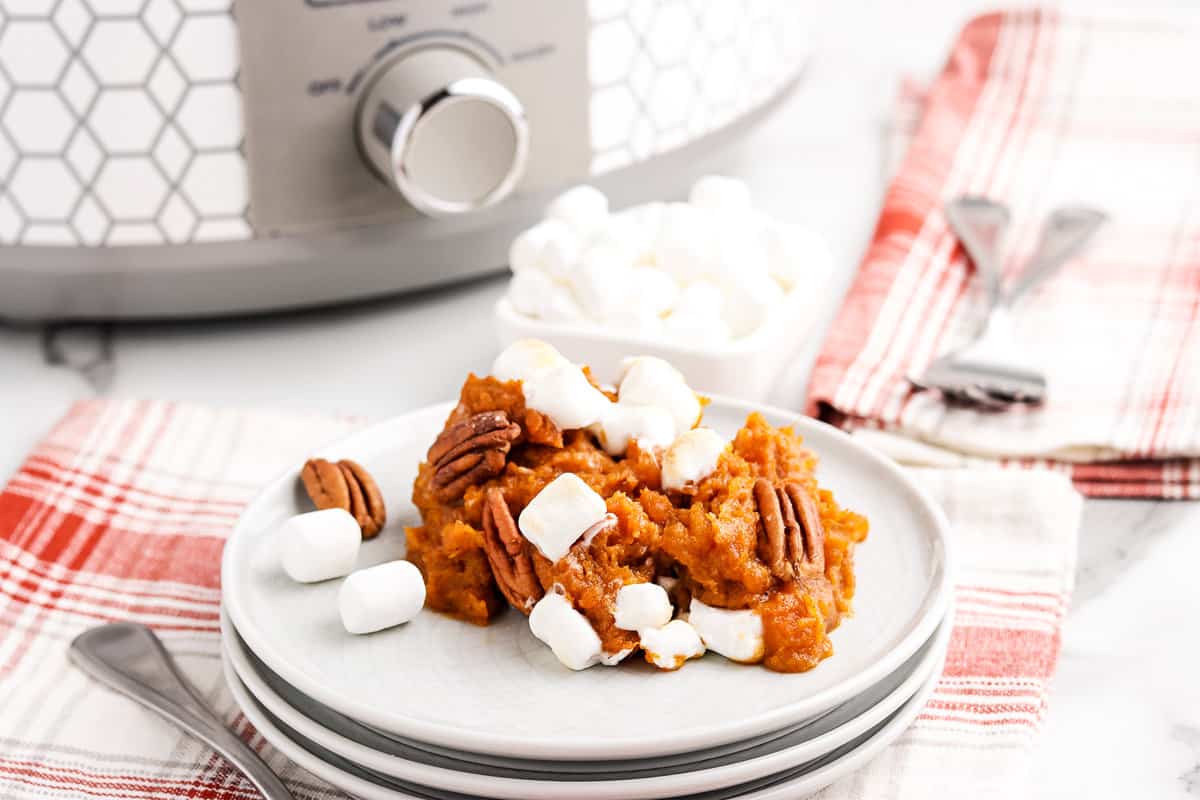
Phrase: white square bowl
pixel 746 368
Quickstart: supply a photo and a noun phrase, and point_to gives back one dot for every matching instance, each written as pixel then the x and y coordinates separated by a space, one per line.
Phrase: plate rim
pixel 684 782
pixel 934 606
pixel 866 749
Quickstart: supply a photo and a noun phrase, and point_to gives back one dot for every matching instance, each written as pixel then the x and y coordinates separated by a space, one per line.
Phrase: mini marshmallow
pixel 737 635
pixel 564 394
pixel 602 283
pixel 525 360
pixel 560 306
pixel 551 246
pixel 700 299
pixel 793 252
pixel 694 330
pixel 691 458
pixel 642 605
pixel 749 301
pixel 655 289
pixel 667 647
pixel 559 514
pixel 622 423
pixel 686 247
pixel 319 545
pixel 566 631
pixel 381 596
pixel 650 381
pixel 529 290
pixel 719 192
pixel 584 208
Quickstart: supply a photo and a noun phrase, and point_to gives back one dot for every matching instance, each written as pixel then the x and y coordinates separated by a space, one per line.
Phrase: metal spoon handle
pixel 131 659
pixel 1063 235
pixel 980 224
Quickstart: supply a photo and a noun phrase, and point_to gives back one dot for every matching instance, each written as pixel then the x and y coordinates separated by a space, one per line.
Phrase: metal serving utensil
pixel 992 371
pixel 131 659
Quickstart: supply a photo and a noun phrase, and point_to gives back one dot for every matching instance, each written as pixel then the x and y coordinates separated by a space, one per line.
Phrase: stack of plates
pixel 441 709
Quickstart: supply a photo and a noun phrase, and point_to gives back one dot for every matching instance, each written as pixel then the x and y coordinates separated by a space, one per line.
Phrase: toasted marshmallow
pixel 526 360
pixel 668 646
pixel 381 596
pixel 622 423
pixel 566 631
pixel 642 605
pixel 529 290
pixel 564 394
pixel 583 208
pixel 691 458
pixel 794 252
pixel 737 635
pixel 650 381
pixel 748 302
pixel 550 246
pixel 559 514
pixel 319 545
pixel 719 193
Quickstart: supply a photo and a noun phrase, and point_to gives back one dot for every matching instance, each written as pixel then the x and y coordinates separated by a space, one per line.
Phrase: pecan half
pixel 348 486
pixel 510 554
pixel 471 451
pixel 791 521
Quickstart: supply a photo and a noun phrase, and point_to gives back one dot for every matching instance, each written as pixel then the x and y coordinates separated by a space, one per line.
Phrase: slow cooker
pixel 197 157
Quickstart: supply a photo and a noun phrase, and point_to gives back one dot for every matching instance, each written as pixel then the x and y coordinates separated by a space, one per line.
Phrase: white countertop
pixel 1124 716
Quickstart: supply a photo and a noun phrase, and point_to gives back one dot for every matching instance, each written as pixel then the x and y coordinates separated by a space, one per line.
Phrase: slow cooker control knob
pixel 435 125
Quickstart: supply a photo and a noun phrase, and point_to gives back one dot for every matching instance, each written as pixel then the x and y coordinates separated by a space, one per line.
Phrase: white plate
pixel 791 784
pixel 651 779
pixel 498 690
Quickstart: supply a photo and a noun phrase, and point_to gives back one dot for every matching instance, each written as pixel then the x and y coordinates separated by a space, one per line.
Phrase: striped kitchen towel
pixel 1039 110
pixel 121 514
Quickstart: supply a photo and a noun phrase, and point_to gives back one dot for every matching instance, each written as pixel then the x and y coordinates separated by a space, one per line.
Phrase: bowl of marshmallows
pixel 713 285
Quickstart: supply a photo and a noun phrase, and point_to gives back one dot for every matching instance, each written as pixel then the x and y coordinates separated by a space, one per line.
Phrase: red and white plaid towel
pixel 1040 110
pixel 121 513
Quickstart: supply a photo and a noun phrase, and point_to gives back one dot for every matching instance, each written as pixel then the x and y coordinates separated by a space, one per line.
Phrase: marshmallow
pixel 602 284
pixel 566 631
pixel 686 246
pixel 749 301
pixel 559 514
pixel 794 252
pixel 564 394
pixel 700 299
pixel 691 458
pixel 319 545
pixel 560 306
pixel 651 426
pixel 655 289
pixel 381 596
pixel 551 246
pixel 612 659
pixel 720 192
pixel 529 290
pixel 583 208
pixel 667 647
pixel 650 381
pixel 525 360
pixel 642 605
pixel 694 330
pixel 737 635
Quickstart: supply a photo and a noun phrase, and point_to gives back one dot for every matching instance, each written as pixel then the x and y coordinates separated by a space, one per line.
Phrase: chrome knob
pixel 435 125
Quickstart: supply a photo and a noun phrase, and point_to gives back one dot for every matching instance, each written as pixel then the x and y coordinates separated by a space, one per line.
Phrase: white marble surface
pixel 1124 718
